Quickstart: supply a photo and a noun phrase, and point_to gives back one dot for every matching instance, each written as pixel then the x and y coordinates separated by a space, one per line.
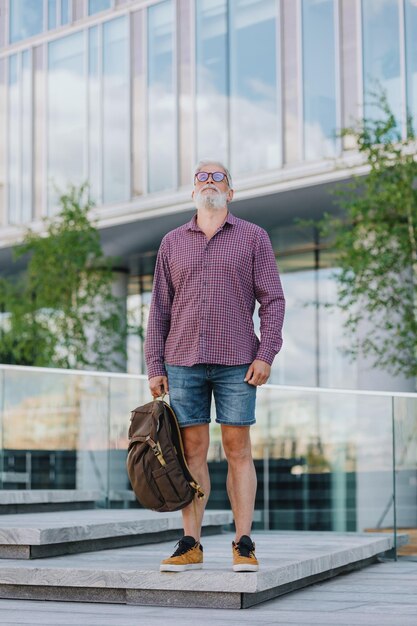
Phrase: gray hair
pixel 205 162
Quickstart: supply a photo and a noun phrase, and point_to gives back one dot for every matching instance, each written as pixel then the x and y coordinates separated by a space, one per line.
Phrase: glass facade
pixel 95 6
pixel 58 13
pixel 19 156
pixel 381 54
pixel 201 79
pixel 211 79
pixel 319 78
pixel 161 108
pixel 95 148
pixel 26 19
pixel 66 114
pixel 255 128
pixel 52 8
pixel 410 20
pixel 89 112
pixel 116 111
pixel 65 11
pixel 13 146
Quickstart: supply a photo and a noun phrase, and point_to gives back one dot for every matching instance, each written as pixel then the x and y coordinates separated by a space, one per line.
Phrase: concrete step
pixel 288 561
pixel 39 500
pixel 55 533
pixel 42 500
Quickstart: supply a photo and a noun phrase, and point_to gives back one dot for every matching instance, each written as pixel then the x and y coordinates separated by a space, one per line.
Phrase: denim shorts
pixel 190 390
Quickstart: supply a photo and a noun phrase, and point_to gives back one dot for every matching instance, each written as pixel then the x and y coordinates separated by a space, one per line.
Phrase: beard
pixel 216 200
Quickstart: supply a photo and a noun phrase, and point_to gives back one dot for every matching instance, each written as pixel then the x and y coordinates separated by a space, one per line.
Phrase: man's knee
pixel 196 443
pixel 236 444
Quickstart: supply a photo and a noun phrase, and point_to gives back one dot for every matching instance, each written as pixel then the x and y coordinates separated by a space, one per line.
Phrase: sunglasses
pixel 216 176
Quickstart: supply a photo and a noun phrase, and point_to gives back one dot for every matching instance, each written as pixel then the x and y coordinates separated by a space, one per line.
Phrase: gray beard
pixel 212 201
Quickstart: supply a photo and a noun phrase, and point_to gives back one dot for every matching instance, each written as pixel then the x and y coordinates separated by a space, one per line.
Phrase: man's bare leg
pixel 196 440
pixel 241 476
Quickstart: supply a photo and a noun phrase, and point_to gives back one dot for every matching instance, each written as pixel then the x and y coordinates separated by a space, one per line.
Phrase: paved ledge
pixel 14 501
pixel 51 534
pixel 288 561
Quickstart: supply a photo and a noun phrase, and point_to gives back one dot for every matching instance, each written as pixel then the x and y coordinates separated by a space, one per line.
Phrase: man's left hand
pixel 258 373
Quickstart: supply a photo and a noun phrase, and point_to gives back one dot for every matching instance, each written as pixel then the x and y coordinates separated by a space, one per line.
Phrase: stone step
pixel 288 561
pixel 55 533
pixel 33 500
pixel 42 500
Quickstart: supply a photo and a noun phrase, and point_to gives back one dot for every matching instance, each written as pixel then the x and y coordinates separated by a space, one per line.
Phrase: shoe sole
pixel 245 568
pixel 180 568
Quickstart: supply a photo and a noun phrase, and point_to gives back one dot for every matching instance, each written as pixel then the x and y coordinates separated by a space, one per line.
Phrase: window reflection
pixel 411 57
pixel 161 97
pixel 66 114
pixel 19 154
pixel 94 116
pixel 211 79
pixel 381 53
pixel 254 110
pixel 26 19
pixel 116 121
pixel 65 11
pixel 26 142
pixel 313 353
pixel 299 333
pixel 52 14
pixel 319 80
pixel 95 6
pixel 13 146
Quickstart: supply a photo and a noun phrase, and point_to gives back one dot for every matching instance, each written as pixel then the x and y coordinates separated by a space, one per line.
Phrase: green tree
pixel 61 312
pixel 375 243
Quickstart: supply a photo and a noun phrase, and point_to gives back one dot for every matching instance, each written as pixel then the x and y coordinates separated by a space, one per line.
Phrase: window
pixel 95 6
pixel 19 154
pixel 381 53
pixel 161 98
pixel 26 19
pixel 254 107
pixel 116 122
pixel 319 78
pixel 411 58
pixel 65 12
pixel 212 79
pixel 66 114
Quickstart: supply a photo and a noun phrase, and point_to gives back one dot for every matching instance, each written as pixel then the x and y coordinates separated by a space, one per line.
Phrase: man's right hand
pixel 158 385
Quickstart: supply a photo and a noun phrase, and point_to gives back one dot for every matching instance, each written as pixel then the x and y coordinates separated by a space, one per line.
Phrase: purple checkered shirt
pixel 204 294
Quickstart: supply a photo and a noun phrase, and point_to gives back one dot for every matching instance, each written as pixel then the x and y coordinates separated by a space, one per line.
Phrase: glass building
pixel 130 94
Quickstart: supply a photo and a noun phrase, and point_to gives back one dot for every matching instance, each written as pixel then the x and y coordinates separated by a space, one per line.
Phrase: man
pixel 201 340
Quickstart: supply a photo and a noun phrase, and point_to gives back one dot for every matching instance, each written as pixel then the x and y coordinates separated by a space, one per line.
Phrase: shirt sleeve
pixel 159 320
pixel 269 293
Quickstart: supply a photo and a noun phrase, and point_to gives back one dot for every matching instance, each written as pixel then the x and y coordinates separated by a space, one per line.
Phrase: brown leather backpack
pixel 157 469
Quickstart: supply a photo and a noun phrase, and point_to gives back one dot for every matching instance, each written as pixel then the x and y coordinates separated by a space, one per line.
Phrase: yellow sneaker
pixel 188 555
pixel 244 559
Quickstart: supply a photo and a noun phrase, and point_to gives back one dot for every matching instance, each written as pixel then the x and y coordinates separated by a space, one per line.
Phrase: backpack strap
pixel 156 449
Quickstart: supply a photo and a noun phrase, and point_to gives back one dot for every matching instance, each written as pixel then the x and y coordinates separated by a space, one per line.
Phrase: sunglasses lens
pixel 202 176
pixel 218 177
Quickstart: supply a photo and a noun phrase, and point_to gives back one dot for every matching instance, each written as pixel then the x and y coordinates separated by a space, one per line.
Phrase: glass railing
pixel 326 460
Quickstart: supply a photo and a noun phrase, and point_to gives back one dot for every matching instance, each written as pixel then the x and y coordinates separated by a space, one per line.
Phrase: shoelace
pixel 183 547
pixel 245 549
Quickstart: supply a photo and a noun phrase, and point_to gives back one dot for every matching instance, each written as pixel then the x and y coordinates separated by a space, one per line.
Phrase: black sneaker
pixel 188 555
pixel 244 559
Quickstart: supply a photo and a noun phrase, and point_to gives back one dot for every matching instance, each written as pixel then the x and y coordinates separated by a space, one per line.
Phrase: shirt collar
pixel 192 224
